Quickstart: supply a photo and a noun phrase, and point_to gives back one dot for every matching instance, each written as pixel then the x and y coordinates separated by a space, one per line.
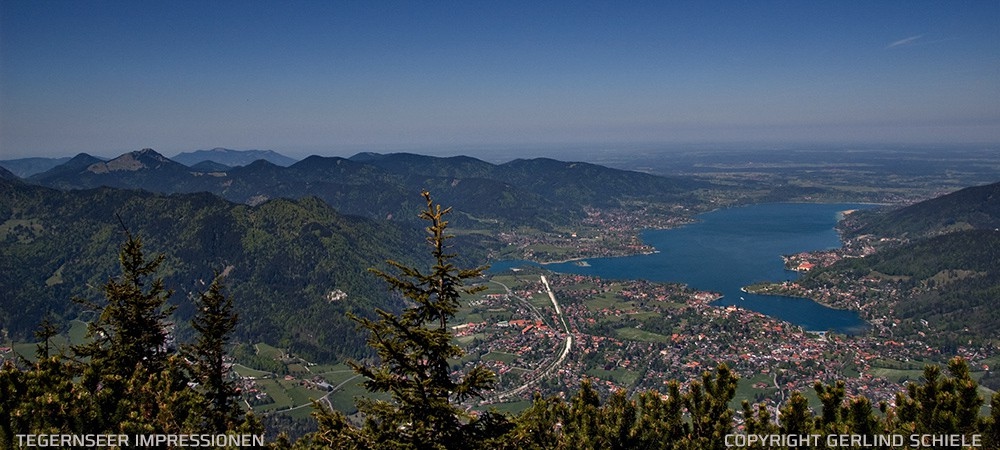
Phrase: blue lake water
pixel 731 248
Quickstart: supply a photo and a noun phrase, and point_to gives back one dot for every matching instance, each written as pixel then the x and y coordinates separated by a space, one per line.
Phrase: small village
pixel 638 335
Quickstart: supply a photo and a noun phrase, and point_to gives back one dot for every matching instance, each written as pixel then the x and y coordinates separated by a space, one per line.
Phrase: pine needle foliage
pixel 415 352
pixel 130 332
pixel 215 321
pixel 132 327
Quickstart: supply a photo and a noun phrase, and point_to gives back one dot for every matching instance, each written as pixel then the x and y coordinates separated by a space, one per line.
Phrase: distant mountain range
pixel 26 167
pixel 199 160
pixel 7 175
pixel 232 158
pixel 540 192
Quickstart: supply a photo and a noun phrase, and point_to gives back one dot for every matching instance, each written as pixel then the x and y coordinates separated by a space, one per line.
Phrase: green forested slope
pixel 975 207
pixel 948 284
pixel 284 259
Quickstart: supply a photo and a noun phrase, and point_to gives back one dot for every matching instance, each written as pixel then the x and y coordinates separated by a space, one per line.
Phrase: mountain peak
pixel 146 158
pixel 233 158
pixel 75 165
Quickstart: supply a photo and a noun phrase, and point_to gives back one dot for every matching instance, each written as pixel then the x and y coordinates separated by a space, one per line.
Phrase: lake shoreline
pixel 730 248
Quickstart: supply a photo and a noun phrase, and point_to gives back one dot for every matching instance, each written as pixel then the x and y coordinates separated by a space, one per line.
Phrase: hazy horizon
pixel 339 78
pixel 600 153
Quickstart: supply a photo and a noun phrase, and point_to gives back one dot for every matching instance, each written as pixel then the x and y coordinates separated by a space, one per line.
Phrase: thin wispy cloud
pixel 908 41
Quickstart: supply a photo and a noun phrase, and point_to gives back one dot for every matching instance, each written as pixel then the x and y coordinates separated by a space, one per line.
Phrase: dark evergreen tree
pixel 132 326
pixel 161 402
pixel 415 350
pixel 129 337
pixel 44 398
pixel 759 421
pixel 832 398
pixel 538 427
pixel 693 420
pixel 660 424
pixel 127 379
pixel 214 320
pixel 45 332
pixel 11 394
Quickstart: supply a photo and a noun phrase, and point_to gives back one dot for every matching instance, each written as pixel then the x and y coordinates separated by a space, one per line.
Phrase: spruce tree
pixel 130 333
pixel 45 332
pixel 415 353
pixel 214 320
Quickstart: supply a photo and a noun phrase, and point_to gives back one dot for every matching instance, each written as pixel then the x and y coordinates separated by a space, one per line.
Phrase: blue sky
pixel 332 77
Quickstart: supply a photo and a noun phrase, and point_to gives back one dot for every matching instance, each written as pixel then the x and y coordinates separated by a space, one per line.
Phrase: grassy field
pixel 500 356
pixel 897 375
pixel 299 394
pixel 541 300
pixel 298 370
pixel 277 393
pixel 76 334
pixel 623 377
pixel 245 371
pixel 508 280
pixel 56 278
pixel 473 317
pixel 33 225
pixel 606 301
pixel 268 351
pixel 328 370
pixel 635 334
pixel 286 394
pixel 343 398
pixel 301 413
pixel 640 316
pixel 491 288
pixel 512 408
pixel 746 391
pixel 552 251
pixel 465 340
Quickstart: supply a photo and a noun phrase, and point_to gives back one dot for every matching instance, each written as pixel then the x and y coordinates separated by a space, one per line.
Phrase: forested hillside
pixel 975 207
pixel 939 256
pixel 951 284
pixel 296 266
